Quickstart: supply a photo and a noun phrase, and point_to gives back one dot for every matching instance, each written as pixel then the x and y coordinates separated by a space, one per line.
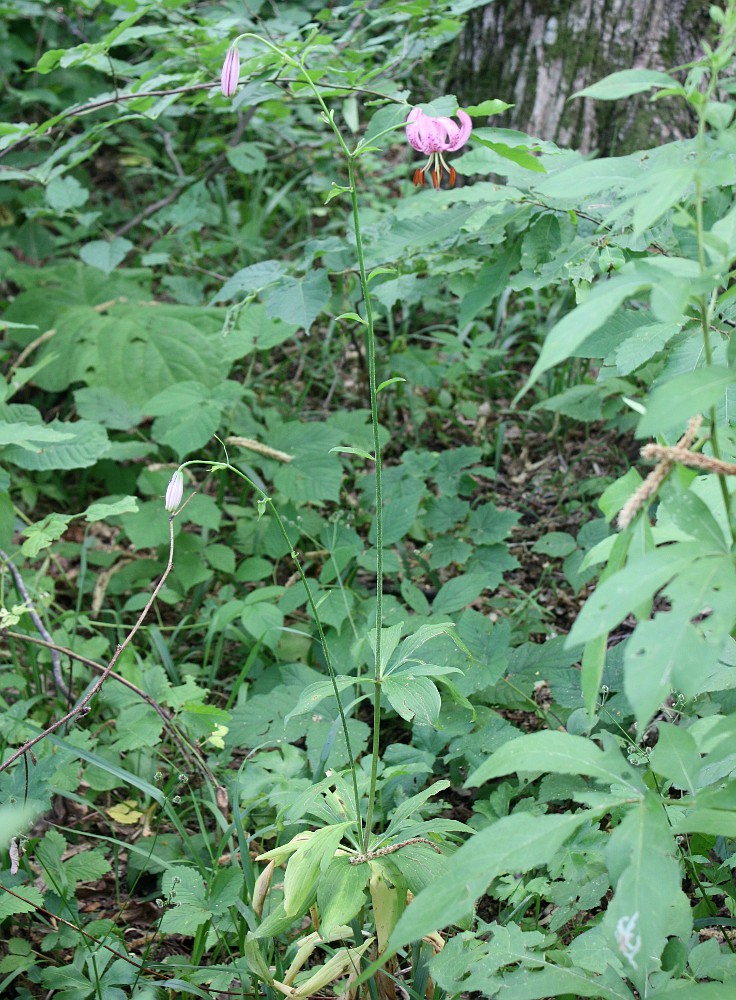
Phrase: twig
pixel 667 458
pixel 55 658
pixel 360 859
pixel 83 706
pixel 262 449
pixel 191 753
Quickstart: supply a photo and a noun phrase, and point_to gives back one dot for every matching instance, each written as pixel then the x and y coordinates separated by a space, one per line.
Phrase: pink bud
pixel 230 72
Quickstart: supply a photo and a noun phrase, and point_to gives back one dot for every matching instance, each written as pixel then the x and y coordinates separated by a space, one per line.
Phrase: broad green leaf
pixel 299 301
pixel 136 351
pixel 458 593
pixel 701 819
pixel 255 331
pixel 101 510
pixel 67 445
pixel 648 905
pixel 628 589
pixel 305 864
pixel 430 227
pixel 545 983
pixel 688 512
pixel 249 280
pixel 672 403
pixel 556 544
pixel 493 107
pixel 605 298
pixel 341 893
pixel 64 193
pixel 418 639
pixel 642 345
pixel 48 854
pixel 694 991
pixel 313 694
pixel 523 157
pixel 557 753
pixel 515 843
pixel 415 698
pixel 626 82
pixel 676 757
pixel 106 255
pixel 663 653
pixel 66 982
pixel 39 536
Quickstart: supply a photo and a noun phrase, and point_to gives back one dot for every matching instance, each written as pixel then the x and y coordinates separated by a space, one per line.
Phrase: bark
pixel 537 53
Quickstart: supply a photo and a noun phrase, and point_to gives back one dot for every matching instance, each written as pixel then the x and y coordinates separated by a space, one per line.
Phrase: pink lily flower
pixel 433 137
pixel 230 72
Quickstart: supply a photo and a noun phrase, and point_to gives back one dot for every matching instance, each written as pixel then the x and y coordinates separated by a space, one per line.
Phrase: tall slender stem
pixel 371 352
pixel 704 310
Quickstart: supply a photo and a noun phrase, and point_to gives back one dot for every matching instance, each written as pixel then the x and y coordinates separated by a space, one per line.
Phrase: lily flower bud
pixel 174 491
pixel 230 72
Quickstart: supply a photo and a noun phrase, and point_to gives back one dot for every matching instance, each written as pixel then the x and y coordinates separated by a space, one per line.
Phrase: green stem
pixel 705 312
pixel 371 353
pixel 371 350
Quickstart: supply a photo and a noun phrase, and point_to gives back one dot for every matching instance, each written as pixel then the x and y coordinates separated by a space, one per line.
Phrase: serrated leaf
pixel 183 889
pixel 30 899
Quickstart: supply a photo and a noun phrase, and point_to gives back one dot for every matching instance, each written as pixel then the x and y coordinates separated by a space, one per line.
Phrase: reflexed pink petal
pixel 452 131
pixel 230 72
pixel 466 127
pixel 412 128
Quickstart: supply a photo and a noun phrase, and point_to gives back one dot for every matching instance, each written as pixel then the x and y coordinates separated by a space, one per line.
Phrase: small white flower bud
pixel 175 491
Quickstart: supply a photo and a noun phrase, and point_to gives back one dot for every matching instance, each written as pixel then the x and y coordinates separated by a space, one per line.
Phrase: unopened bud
pixel 230 72
pixel 175 491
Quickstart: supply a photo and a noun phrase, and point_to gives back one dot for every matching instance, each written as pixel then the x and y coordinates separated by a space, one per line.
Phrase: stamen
pixel 419 178
pixel 453 175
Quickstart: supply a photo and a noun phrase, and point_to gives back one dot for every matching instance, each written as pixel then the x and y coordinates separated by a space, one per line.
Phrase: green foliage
pixel 400 669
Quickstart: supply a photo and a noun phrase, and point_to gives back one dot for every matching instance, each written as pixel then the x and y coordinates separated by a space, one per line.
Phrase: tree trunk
pixel 537 53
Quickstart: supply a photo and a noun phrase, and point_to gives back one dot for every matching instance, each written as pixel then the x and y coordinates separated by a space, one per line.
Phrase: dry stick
pixel 83 707
pixel 189 752
pixel 360 859
pixel 668 457
pixel 55 658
